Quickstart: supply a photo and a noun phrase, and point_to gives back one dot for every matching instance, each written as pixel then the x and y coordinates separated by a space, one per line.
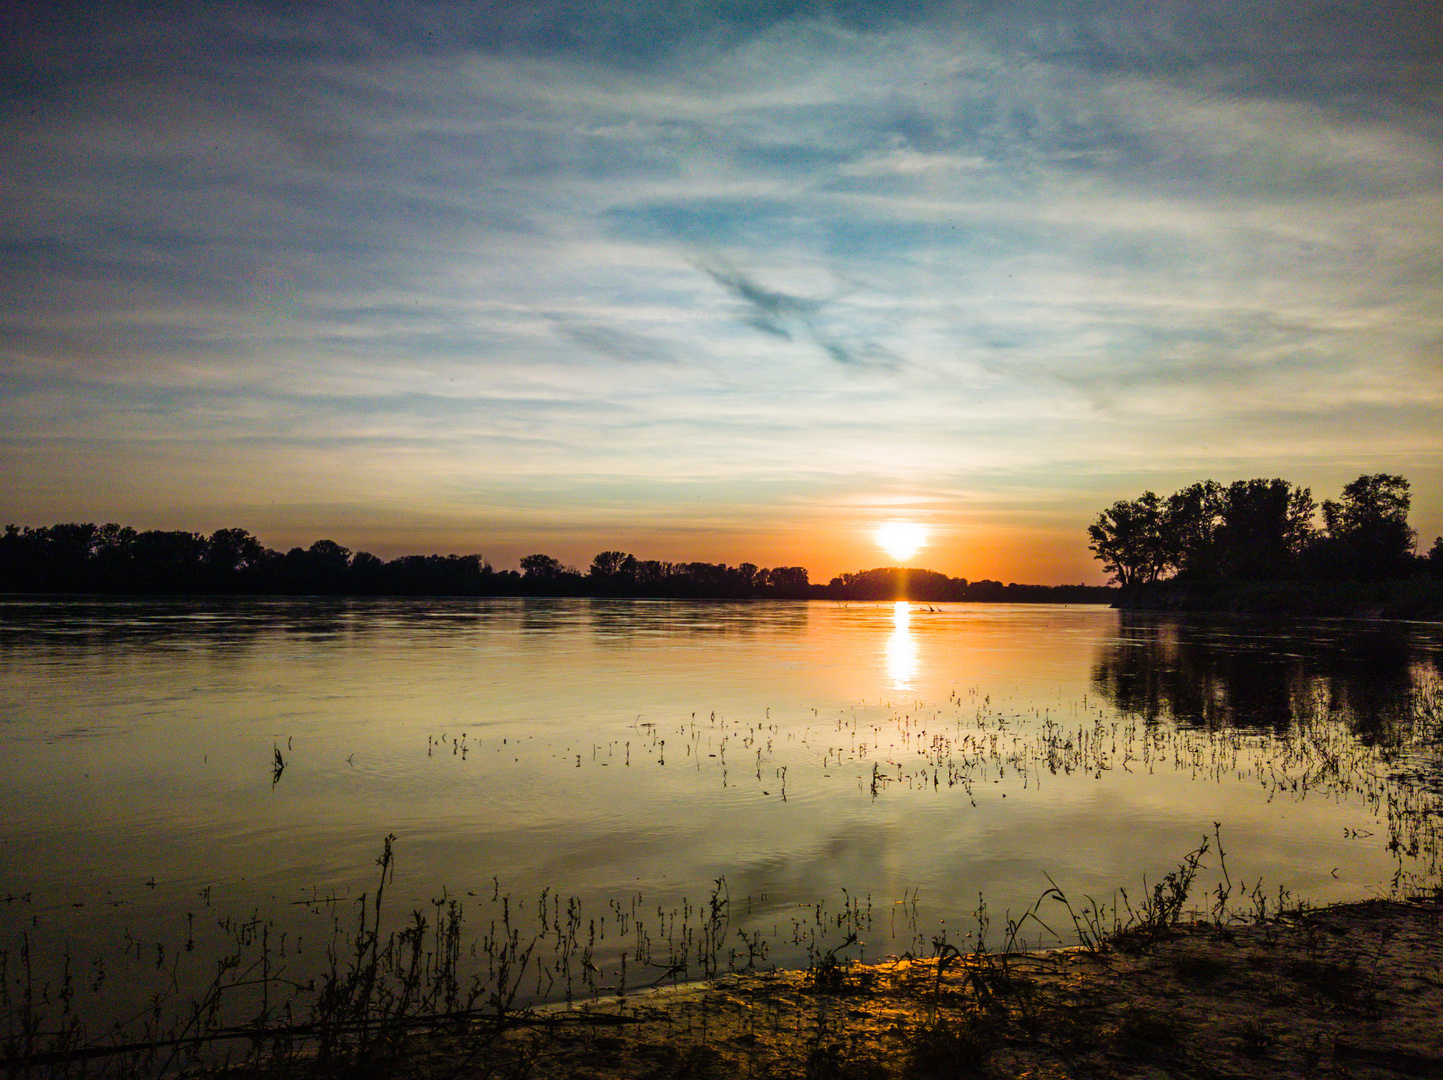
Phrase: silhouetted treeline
pixel 929 586
pixel 1263 530
pixel 86 558
pixel 617 573
pixel 116 559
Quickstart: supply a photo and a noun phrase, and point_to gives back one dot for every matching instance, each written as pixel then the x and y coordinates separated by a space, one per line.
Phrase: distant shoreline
pixel 1011 594
pixel 82 557
pixel 1417 598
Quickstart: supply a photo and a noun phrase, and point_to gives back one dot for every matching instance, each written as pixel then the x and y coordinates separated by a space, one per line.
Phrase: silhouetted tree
pixel 60 555
pixel 1265 526
pixel 368 574
pixel 1190 530
pixel 608 563
pixel 541 568
pixel 787 582
pixel 232 557
pixel 1367 528
pixel 112 559
pixel 712 579
pixel 545 576
pixel 651 577
pixel 167 561
pixel 327 566
pixel 1129 539
pixel 897 583
pixel 1260 530
pixel 613 572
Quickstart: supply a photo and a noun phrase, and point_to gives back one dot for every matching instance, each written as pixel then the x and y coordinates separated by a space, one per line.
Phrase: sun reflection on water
pixel 902 648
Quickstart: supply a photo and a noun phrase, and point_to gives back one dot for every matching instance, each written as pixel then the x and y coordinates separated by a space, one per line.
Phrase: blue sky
pixel 714 281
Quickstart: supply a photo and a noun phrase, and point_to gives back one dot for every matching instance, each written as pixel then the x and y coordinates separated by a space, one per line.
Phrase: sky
pixel 725 281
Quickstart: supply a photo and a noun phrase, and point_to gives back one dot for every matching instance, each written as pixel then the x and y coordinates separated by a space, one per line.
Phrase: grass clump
pixel 827 973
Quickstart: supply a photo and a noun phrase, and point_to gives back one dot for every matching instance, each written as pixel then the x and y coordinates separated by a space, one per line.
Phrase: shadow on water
pixel 1213 672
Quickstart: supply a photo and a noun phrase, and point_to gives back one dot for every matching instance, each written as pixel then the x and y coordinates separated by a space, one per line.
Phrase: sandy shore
pixel 1353 990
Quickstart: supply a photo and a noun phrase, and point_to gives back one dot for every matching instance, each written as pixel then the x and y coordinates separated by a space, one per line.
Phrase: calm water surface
pixel 635 752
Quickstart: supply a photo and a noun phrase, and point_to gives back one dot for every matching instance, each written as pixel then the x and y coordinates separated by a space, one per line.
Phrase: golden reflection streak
pixel 902 648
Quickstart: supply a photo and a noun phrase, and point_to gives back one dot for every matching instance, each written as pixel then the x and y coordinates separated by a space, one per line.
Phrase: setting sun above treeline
pixel 901 539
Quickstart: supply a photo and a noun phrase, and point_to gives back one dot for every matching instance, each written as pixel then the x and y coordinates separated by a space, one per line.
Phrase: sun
pixel 901 539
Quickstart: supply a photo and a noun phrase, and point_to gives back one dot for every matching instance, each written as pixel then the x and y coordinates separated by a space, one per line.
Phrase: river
pixel 172 765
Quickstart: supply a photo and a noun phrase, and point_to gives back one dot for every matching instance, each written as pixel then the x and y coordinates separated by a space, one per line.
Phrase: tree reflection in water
pixel 1216 672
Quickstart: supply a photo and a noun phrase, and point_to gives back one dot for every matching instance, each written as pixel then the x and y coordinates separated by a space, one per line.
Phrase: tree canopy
pixel 1367 528
pixel 1261 530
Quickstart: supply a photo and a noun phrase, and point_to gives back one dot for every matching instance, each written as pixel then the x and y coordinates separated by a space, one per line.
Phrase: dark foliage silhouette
pixel 111 559
pixel 1366 531
pixel 1260 530
pixel 928 586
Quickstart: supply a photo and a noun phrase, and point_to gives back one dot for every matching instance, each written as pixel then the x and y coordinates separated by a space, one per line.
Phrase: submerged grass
pixel 384 980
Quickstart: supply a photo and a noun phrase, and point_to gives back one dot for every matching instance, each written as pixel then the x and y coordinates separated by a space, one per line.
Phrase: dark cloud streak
pixel 772 311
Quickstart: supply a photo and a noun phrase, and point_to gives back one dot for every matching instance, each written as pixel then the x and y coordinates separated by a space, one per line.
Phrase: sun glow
pixel 901 539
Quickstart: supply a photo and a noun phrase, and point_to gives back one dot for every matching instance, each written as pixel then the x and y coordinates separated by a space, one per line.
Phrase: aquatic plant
pixel 245 988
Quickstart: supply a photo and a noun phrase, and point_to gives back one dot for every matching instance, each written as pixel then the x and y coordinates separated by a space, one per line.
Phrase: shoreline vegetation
pixel 1178 985
pixel 84 558
pixel 1197 973
pixel 1350 990
pixel 1255 547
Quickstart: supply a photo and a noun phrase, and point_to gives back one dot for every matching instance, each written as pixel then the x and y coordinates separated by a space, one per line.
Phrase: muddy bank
pixel 1353 990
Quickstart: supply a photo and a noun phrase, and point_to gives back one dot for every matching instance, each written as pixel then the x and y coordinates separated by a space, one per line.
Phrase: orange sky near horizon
pixel 1033 557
